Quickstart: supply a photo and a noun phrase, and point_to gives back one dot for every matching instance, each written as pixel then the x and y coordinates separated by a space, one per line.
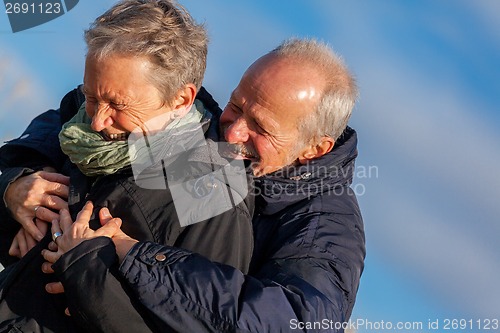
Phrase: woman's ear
pixel 314 151
pixel 184 100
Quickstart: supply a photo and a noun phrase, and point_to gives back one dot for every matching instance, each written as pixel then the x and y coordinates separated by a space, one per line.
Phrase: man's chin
pixel 236 156
pixel 258 170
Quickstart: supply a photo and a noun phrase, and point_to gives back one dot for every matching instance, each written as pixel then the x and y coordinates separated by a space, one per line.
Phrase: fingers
pixel 111 228
pixel 47 268
pixel 30 243
pixel 105 218
pixel 53 202
pixel 51 258
pixel 54 288
pixel 22 242
pixel 30 227
pixel 72 233
pixel 54 177
pixel 43 226
pixel 45 190
pixel 46 214
pixel 55 223
pixel 104 215
pixel 52 246
pixel 14 250
pixel 65 223
pixel 85 214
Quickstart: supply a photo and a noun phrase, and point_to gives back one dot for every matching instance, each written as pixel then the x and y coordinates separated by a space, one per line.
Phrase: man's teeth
pixel 243 151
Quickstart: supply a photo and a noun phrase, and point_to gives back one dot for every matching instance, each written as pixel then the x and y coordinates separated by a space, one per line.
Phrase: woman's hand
pixel 75 233
pixel 33 201
pixel 36 197
pixel 23 241
pixel 67 235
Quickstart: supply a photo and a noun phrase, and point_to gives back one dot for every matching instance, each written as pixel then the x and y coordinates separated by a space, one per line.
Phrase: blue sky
pixel 428 121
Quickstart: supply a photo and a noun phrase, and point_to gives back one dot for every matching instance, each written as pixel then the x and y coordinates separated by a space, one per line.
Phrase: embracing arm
pixel 188 293
pixel 30 152
pixel 22 185
pixel 296 284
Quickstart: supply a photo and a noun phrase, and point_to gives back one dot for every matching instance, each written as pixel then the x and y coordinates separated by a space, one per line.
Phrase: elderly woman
pixel 143 70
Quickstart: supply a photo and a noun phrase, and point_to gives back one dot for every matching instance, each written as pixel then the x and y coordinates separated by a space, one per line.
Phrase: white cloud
pixel 21 95
pixel 435 206
pixel 239 32
pixel 488 14
pixel 434 210
pixel 448 262
pixel 450 156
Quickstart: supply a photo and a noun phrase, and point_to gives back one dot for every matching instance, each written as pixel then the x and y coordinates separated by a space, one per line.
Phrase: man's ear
pixel 314 151
pixel 184 99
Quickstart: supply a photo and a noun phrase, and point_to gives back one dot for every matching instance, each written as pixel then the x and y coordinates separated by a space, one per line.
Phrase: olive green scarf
pixel 95 156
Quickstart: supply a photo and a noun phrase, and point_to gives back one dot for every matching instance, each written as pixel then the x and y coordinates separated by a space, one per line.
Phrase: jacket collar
pixel 326 174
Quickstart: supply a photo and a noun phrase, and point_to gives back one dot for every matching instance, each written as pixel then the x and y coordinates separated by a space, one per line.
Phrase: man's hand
pixel 123 242
pixel 37 195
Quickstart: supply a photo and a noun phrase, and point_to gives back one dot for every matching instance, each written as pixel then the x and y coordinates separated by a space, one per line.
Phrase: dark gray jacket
pixel 148 215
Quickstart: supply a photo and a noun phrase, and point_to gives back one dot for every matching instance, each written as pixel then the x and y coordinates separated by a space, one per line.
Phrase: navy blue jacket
pixel 308 258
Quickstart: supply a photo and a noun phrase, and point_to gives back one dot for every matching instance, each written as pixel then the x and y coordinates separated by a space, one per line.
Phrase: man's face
pixel 264 112
pixel 119 98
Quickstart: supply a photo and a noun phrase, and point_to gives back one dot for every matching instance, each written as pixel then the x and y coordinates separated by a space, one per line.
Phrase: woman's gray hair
pixel 159 30
pixel 339 96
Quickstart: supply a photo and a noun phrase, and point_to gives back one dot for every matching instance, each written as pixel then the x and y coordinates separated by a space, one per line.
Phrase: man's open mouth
pixel 237 151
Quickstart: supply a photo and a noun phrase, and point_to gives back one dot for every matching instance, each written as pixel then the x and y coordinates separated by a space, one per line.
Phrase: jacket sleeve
pixel 37 147
pixel 294 286
pixel 22 156
pixel 8 226
pixel 101 303
pixel 185 292
pixel 207 297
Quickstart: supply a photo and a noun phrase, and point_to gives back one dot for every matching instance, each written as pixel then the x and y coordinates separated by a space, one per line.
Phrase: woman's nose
pixel 101 118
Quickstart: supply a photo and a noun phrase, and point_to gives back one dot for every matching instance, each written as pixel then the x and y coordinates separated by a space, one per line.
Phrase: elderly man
pixel 288 116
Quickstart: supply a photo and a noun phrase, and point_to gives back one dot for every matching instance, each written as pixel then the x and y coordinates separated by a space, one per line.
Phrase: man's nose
pixel 101 118
pixel 237 131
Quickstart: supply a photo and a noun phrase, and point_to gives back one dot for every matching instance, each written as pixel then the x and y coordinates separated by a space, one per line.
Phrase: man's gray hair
pixel 339 96
pixel 159 30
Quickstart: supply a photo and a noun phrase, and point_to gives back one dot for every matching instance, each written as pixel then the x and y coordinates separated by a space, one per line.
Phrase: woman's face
pixel 119 98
